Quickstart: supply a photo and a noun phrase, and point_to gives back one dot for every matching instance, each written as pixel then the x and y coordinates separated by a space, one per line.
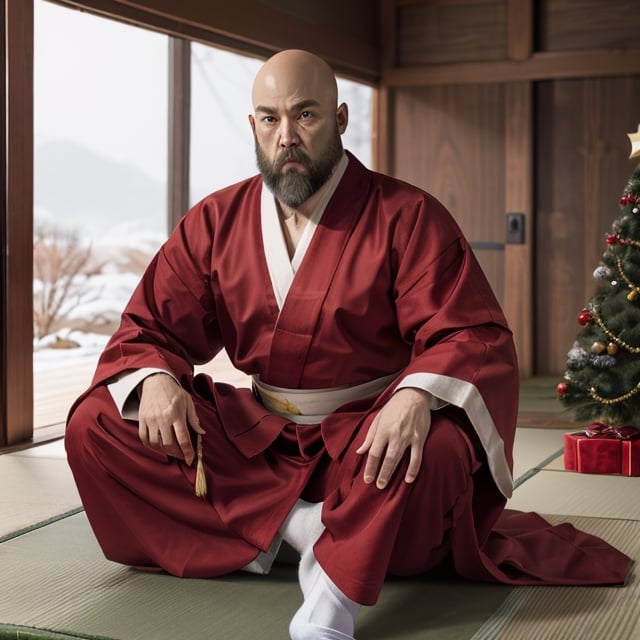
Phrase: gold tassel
pixel 201 480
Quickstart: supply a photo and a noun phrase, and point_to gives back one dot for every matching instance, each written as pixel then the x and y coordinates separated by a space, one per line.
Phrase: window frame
pixel 16 226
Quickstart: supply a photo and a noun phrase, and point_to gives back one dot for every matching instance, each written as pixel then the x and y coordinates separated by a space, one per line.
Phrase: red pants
pixel 143 510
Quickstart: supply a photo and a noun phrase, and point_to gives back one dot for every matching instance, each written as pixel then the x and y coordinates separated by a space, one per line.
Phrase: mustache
pixel 292 155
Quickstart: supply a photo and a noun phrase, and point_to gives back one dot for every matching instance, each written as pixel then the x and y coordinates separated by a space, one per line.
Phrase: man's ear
pixel 342 117
pixel 252 122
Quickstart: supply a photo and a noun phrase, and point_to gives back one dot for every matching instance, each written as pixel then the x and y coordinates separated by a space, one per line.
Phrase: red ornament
pixel 612 239
pixel 562 388
pixel 585 317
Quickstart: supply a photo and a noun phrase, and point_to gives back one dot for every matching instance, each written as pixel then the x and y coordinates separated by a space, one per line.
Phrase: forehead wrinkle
pixel 298 106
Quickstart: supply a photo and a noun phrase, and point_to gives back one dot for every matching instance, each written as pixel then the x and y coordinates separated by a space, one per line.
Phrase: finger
pixel 153 437
pixel 415 463
pixel 143 433
pixel 168 443
pixel 181 431
pixel 371 468
pixel 374 457
pixel 366 445
pixel 389 465
pixel 192 417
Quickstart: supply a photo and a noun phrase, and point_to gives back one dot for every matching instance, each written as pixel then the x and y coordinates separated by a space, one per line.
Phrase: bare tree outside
pixel 61 269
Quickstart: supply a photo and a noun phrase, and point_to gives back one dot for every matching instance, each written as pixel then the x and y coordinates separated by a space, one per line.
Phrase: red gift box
pixel 630 458
pixel 603 449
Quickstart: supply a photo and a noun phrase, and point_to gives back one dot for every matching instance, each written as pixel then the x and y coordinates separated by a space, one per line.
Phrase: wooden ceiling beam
pixel 540 66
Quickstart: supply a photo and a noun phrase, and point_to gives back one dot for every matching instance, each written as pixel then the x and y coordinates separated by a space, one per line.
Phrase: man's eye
pixel 269 119
pixel 305 114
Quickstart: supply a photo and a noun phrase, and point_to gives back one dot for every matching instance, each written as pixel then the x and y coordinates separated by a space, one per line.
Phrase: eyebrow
pixel 299 106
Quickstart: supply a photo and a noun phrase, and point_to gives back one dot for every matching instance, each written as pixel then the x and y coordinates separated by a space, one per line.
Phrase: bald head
pixel 295 73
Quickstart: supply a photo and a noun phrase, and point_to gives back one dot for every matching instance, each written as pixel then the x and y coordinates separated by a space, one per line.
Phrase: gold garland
pixel 625 241
pixel 594 394
pixel 631 296
pixel 635 290
pixel 614 337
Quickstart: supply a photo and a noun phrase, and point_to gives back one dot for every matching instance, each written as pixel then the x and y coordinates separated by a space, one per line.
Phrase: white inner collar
pixel 282 269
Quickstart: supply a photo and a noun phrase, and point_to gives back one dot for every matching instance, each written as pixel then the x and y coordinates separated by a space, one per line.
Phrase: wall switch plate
pixel 515 228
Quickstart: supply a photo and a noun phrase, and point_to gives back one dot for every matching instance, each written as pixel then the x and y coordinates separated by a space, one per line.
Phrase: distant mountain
pixel 81 189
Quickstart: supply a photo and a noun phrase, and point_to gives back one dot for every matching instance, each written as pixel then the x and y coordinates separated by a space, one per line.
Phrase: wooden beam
pixel 241 26
pixel 16 339
pixel 388 21
pixel 248 17
pixel 540 66
pixel 179 127
pixel 520 29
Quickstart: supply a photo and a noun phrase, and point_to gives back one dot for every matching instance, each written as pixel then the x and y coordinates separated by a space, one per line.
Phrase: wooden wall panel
pixel 565 25
pixel 436 33
pixel 449 140
pixel 518 259
pixel 582 166
pixel 492 263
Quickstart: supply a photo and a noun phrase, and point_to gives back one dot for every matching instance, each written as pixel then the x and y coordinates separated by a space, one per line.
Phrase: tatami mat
pixel 61 582
pixel 35 487
pixel 533 448
pixel 579 494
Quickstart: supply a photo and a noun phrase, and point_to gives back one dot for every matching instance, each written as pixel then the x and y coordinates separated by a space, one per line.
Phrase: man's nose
pixel 288 133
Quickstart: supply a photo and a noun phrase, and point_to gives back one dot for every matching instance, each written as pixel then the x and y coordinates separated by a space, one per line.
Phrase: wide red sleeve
pixel 170 320
pixel 448 312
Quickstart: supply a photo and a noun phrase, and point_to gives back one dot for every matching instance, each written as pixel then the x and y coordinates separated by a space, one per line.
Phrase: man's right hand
pixel 165 414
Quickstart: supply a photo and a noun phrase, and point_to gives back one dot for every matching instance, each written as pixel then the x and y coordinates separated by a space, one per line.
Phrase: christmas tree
pixel 602 377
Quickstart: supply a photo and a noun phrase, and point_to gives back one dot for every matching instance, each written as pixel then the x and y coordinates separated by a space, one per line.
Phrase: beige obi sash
pixel 310 406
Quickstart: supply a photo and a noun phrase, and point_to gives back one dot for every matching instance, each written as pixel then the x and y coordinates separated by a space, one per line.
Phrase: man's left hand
pixel 403 423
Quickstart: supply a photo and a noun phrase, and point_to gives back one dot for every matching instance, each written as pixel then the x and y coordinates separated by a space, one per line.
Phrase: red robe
pixel 388 283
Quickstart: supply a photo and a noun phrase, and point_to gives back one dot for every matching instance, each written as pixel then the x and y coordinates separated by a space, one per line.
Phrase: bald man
pixel 377 438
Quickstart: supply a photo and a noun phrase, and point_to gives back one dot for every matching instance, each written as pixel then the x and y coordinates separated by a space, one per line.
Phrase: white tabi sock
pixel 303 525
pixel 326 613
pixel 301 530
pixel 264 560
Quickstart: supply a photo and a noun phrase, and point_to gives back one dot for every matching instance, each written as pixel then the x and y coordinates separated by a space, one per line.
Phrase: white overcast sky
pixel 103 84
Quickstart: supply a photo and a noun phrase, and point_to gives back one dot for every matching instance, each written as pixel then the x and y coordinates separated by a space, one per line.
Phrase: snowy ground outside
pixel 46 359
pixel 93 306
pixel 64 362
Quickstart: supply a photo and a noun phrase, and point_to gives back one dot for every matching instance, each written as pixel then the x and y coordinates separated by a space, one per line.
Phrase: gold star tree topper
pixel 635 143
